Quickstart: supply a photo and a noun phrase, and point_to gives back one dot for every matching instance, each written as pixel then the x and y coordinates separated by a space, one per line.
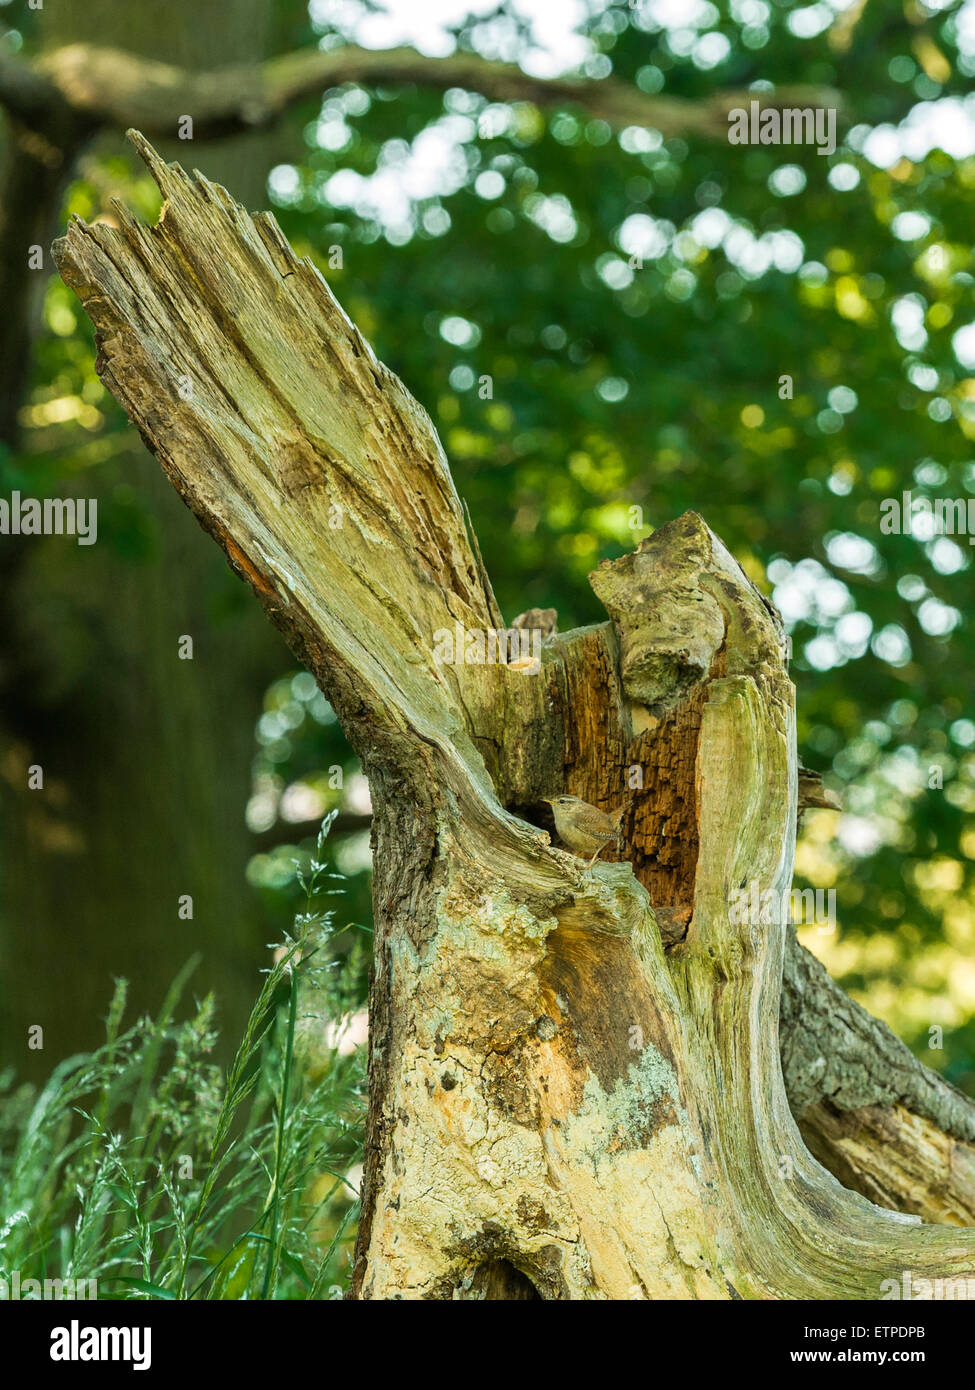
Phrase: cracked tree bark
pixel 884 1124
pixel 575 1079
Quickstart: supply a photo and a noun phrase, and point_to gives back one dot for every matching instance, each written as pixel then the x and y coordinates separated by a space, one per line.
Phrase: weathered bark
pixel 885 1125
pixel 574 1077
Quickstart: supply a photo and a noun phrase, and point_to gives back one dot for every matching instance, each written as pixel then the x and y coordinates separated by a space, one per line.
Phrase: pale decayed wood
pixel 561 1099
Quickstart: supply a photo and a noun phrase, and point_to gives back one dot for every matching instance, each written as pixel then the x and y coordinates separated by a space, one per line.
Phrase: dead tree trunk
pixel 575 1079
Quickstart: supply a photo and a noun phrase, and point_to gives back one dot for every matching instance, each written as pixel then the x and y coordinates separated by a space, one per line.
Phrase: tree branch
pixel 877 1117
pixel 124 89
pixel 29 95
pixel 224 346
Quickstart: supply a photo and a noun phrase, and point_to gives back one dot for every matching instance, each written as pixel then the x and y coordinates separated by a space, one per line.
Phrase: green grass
pixel 140 1166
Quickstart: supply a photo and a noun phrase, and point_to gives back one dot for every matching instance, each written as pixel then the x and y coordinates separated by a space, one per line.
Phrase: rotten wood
pixel 563 1097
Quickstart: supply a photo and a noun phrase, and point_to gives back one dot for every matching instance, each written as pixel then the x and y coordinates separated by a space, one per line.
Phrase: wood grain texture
pixel 561 1096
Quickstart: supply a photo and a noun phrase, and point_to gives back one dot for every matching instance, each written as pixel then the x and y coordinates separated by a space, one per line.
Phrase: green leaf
pixel 143 1285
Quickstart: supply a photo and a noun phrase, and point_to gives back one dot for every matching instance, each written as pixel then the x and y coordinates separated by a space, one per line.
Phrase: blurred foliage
pixel 610 327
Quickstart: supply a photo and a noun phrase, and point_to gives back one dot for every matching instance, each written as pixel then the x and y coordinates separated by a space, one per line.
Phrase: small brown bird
pixel 813 793
pixel 584 828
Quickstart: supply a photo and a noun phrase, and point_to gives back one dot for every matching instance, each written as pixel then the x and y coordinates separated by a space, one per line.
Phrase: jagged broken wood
pixel 575 1082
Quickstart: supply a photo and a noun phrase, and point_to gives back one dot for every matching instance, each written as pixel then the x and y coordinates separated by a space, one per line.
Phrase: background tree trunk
pixel 100 863
pixel 575 1079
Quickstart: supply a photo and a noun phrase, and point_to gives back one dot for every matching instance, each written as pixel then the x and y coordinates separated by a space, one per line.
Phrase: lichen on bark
pixel 575 1079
